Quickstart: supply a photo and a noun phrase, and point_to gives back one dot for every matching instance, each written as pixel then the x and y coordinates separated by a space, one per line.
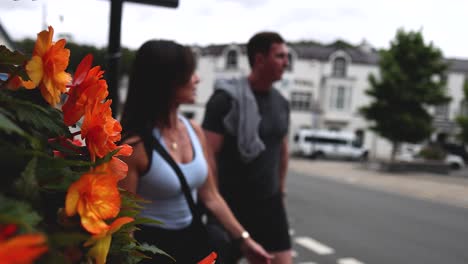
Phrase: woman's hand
pixel 254 253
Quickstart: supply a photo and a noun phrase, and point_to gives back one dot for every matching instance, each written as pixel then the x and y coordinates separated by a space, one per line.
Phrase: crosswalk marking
pixel 349 261
pixel 315 246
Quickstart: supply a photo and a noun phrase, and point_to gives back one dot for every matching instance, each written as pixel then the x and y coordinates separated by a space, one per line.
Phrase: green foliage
pixel 40 162
pixel 11 62
pixel 463 123
pixel 432 152
pixel 35 180
pixel 412 77
pixel 19 213
pixel 462 120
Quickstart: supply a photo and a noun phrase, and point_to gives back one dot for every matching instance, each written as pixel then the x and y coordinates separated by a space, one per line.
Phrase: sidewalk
pixel 448 189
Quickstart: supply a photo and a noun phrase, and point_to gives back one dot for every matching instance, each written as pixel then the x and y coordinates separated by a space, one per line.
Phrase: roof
pixel 305 51
pixel 323 52
pixel 458 65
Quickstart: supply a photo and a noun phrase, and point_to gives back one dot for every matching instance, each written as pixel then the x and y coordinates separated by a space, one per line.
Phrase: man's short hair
pixel 261 43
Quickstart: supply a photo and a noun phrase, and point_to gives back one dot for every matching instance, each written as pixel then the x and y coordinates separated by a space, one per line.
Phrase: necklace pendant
pixel 174 145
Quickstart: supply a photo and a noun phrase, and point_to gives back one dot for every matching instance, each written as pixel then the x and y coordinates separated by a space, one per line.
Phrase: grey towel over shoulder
pixel 243 119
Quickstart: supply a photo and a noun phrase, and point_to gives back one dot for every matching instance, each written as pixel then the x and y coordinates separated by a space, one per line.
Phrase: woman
pixel 164 77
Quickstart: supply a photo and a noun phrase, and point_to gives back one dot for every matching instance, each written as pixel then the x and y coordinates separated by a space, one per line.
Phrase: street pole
pixel 113 51
pixel 113 57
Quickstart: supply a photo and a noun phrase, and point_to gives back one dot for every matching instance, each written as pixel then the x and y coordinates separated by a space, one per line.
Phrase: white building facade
pixel 325 86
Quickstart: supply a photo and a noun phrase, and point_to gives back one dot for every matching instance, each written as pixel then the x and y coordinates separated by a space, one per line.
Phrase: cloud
pixel 20 4
pixel 225 21
pixel 248 3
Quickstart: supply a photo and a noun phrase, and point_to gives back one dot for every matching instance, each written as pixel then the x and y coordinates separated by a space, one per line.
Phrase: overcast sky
pixel 444 22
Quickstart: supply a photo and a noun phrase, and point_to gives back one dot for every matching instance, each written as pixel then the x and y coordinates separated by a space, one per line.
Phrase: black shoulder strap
pixel 183 182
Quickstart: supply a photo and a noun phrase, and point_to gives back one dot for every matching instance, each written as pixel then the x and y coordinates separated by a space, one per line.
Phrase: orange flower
pixel 87 88
pixel 100 130
pixel 15 83
pixel 47 67
pixel 95 197
pixel 116 166
pixel 210 259
pixel 21 249
pixel 101 243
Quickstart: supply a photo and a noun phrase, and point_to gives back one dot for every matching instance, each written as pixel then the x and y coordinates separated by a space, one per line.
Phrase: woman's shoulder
pixel 136 142
pixel 139 158
pixel 132 140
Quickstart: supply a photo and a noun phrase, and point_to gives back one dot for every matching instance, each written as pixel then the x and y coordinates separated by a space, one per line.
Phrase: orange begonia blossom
pixel 210 259
pixel 101 242
pixel 21 249
pixel 14 83
pixel 95 197
pixel 116 166
pixel 47 66
pixel 100 130
pixel 87 88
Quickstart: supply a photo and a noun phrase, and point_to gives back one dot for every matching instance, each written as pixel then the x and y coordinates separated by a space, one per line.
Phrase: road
pixel 333 221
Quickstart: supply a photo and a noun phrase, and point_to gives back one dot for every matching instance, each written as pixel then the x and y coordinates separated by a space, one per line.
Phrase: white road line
pixel 349 261
pixel 314 245
pixel 307 262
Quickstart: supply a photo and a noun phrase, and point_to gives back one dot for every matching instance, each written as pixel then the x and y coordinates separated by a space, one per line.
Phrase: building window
pixel 231 59
pixel 340 98
pixel 290 63
pixel 464 108
pixel 339 67
pixel 301 101
pixel 441 112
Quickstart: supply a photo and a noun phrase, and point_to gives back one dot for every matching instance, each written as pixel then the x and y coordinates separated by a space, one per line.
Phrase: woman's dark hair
pixel 261 43
pixel 160 67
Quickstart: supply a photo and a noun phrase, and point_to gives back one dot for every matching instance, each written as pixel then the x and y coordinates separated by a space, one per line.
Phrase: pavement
pixel 449 189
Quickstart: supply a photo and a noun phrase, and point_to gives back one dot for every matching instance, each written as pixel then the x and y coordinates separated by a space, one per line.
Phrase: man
pixel 246 123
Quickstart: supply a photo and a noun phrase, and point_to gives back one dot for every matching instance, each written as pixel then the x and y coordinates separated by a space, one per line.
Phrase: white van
pixel 324 143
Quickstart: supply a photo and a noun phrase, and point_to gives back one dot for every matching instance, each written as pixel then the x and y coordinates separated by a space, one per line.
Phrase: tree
pixel 412 77
pixel 462 120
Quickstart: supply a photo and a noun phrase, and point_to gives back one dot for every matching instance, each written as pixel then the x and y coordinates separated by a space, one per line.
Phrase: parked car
pixel 317 143
pixel 411 152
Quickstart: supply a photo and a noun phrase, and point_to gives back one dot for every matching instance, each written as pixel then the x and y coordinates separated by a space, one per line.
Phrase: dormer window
pixel 339 67
pixel 231 59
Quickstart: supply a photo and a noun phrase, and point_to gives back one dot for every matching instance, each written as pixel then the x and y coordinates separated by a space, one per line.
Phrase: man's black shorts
pixel 266 221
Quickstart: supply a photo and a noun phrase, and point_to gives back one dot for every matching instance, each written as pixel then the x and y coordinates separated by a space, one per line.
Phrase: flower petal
pixel 118 223
pixel 100 249
pixel 44 41
pixel 35 70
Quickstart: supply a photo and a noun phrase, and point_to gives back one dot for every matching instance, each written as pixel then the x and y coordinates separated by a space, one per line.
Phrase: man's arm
pixel 284 159
pixel 215 142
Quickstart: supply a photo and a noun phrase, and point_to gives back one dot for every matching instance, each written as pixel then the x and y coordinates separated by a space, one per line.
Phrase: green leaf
pixel 66 239
pixel 26 186
pixel 41 121
pixel 11 57
pixel 18 212
pixel 9 126
pixel 153 249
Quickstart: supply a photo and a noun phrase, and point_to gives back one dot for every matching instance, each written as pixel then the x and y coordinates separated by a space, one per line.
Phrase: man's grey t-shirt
pixel 259 178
